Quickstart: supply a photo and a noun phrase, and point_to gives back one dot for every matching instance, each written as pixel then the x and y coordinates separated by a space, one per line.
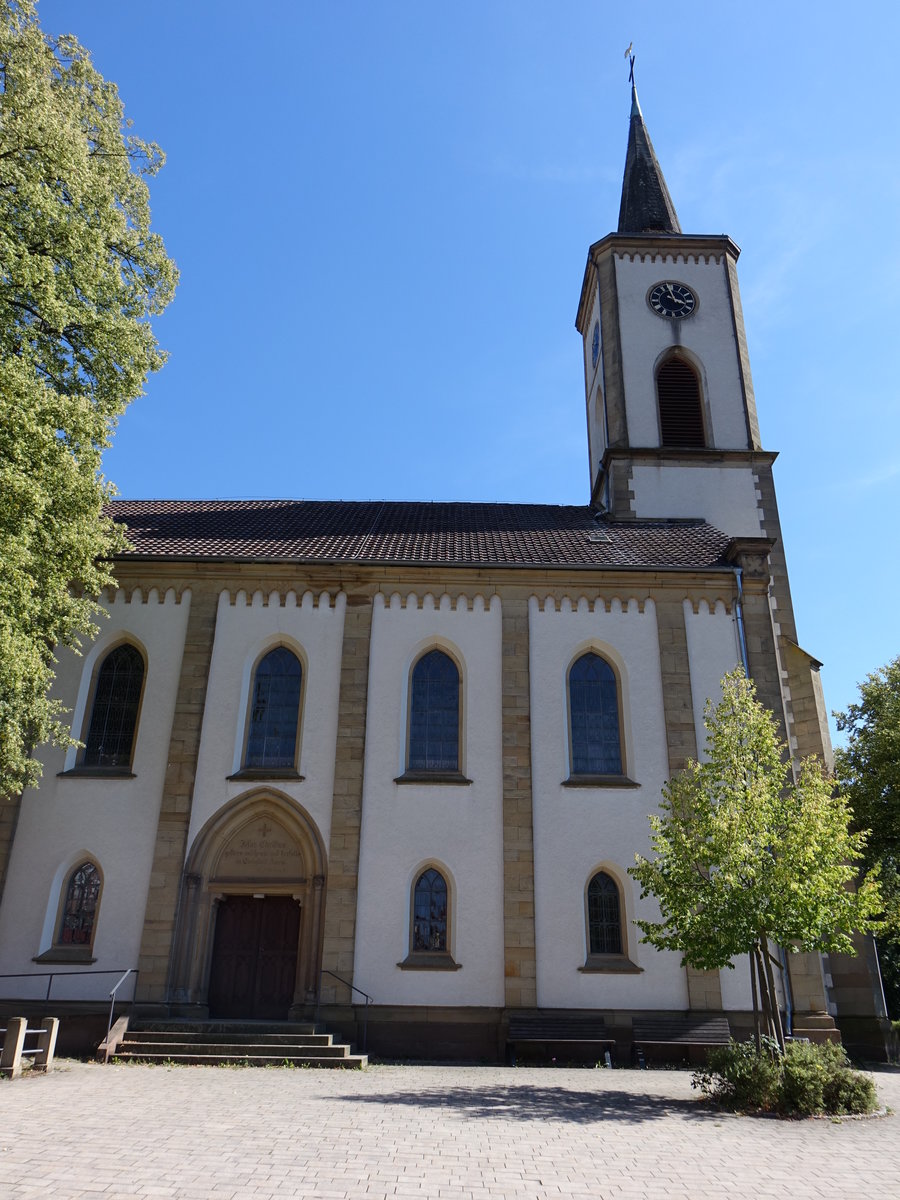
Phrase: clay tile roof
pixel 398 532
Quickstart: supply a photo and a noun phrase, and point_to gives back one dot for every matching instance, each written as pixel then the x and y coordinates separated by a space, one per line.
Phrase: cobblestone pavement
pixel 460 1133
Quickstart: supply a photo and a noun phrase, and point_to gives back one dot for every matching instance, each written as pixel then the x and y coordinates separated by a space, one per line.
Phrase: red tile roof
pixel 408 532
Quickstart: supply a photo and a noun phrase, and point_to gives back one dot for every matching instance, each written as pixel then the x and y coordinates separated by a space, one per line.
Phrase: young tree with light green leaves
pixel 80 275
pixel 868 771
pixel 746 856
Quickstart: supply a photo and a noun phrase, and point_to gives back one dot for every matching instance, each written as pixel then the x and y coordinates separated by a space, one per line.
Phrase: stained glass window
pixel 430 912
pixel 80 906
pixel 117 697
pixel 604 919
pixel 434 714
pixel 274 710
pixel 594 714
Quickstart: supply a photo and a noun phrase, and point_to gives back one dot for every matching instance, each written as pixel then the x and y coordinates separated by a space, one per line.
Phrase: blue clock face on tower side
pixel 595 344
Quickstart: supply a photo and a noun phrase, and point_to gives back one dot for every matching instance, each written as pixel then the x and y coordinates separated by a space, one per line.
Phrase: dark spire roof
pixel 646 204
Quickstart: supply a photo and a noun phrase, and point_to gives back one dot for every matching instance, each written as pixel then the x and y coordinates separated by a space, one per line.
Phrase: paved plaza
pixel 485 1133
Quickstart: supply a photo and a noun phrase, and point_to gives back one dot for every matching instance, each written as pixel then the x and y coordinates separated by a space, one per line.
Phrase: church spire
pixel 646 204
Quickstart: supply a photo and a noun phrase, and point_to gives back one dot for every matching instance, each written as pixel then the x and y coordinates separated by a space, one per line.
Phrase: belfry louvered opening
pixel 680 404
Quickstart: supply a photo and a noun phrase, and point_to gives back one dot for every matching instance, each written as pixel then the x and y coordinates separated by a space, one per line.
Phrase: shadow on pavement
pixel 524 1103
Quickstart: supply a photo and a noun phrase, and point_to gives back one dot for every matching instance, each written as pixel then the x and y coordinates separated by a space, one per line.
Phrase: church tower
pixel 673 433
pixel 672 427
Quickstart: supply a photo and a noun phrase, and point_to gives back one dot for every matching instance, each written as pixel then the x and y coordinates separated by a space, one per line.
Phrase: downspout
pixel 742 639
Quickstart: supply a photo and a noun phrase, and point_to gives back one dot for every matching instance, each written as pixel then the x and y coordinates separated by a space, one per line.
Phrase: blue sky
pixel 381 211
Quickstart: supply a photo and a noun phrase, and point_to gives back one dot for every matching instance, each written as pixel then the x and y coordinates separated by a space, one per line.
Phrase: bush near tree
pixel 747 855
pixel 80 275
pixel 803 1081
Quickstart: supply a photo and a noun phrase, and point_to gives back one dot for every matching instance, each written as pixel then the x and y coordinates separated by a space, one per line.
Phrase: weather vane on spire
pixel 631 58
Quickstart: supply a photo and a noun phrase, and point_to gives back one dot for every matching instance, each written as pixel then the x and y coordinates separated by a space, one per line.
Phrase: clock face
pixel 595 344
pixel 671 299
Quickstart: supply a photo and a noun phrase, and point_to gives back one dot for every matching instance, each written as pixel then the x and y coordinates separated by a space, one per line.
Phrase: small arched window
pixel 604 915
pixel 594 717
pixel 274 711
pixel 434 714
pixel 79 912
pixel 680 404
pixel 429 930
pixel 109 741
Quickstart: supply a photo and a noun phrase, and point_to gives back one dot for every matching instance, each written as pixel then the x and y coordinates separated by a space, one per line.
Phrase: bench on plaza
pixel 549 1029
pixel 687 1032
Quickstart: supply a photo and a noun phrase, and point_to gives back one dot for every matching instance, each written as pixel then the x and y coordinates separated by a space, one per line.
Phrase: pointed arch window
pixel 594 718
pixel 434 715
pixel 109 741
pixel 429 934
pixel 604 915
pixel 79 909
pixel 274 712
pixel 680 404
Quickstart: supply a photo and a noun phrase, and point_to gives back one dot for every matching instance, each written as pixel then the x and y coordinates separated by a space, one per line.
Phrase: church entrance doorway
pixel 254 959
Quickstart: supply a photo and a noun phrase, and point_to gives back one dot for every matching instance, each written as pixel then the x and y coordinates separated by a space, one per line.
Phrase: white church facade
pixel 391 761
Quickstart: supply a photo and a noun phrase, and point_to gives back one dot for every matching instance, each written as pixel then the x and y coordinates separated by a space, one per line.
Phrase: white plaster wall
pixel 579 830
pixel 725 496
pixel 246 628
pixel 407 826
pixel 736 992
pixel 713 649
pixel 112 821
pixel 708 335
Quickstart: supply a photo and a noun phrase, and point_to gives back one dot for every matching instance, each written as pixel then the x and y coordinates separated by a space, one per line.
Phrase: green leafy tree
pixel 868 771
pixel 80 274
pixel 746 856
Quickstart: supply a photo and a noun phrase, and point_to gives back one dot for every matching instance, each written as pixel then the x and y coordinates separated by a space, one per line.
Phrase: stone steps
pixel 220 1043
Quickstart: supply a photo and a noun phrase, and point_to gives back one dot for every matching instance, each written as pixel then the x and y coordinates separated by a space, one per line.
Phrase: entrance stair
pixel 234 1043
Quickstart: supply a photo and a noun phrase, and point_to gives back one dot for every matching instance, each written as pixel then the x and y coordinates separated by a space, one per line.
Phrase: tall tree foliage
pixel 746 856
pixel 80 274
pixel 868 770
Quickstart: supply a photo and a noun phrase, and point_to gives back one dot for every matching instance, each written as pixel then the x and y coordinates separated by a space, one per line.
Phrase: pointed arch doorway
pixel 249 941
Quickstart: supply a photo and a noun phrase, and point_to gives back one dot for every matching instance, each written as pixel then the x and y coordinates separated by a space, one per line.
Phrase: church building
pixel 389 762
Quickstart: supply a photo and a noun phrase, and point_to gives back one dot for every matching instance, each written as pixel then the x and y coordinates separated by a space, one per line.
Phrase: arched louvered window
pixel 429 931
pixel 594 717
pixel 434 714
pixel 117 698
pixel 604 915
pixel 680 404
pixel 274 711
pixel 80 904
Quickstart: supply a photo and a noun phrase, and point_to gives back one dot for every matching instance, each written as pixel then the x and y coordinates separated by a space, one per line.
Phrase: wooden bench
pixel 701 1032
pixel 552 1029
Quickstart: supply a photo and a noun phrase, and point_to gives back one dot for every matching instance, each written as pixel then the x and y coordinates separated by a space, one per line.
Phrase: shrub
pixel 736 1076
pixel 808 1078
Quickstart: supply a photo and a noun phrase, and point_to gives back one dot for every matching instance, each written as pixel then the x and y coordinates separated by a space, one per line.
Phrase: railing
pixel 51 975
pixel 112 1002
pixel 369 1000
pixel 14 1046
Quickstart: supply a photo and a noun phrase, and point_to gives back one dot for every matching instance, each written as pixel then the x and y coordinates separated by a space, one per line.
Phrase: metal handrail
pixel 51 975
pixel 112 1002
pixel 369 1000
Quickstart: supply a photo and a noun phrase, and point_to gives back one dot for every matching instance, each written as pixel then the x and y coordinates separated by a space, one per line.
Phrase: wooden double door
pixel 254 959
